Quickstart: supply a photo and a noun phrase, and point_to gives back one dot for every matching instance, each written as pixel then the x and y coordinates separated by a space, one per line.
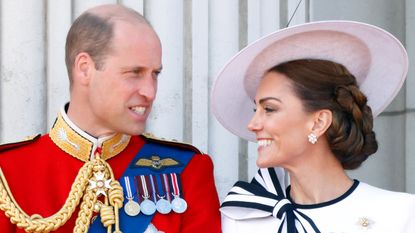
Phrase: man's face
pixel 122 92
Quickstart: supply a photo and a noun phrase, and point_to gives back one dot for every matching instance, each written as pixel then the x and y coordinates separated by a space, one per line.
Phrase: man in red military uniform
pixel 94 171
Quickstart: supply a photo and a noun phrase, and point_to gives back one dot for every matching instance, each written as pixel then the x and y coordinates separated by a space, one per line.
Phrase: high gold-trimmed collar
pixel 74 141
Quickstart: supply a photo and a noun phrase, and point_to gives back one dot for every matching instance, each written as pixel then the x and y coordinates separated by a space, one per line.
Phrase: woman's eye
pixel 268 109
pixel 254 109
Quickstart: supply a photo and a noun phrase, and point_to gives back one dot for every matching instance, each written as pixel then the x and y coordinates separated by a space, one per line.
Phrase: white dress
pixel 363 208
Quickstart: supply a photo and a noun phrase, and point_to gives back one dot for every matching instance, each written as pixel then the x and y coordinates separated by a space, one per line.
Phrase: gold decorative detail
pixel 25 141
pixel 70 141
pixel 64 137
pixel 364 222
pixel 28 138
pixel 156 163
pixel 115 145
pixel 173 142
pixel 73 143
pixel 109 210
pixel 149 135
pixel 96 171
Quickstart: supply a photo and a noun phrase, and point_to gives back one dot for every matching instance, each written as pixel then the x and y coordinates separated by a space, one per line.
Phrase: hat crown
pixel 375 57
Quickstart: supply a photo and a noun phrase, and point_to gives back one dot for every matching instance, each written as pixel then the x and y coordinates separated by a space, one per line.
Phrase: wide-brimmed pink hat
pixel 375 57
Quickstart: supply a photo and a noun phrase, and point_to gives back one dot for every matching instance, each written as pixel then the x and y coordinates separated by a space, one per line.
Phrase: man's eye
pixel 135 71
pixel 156 74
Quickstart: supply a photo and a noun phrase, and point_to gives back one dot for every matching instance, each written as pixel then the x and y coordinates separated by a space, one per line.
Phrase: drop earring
pixel 312 138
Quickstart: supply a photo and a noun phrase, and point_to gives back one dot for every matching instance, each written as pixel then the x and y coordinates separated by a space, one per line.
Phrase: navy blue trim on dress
pixel 323 204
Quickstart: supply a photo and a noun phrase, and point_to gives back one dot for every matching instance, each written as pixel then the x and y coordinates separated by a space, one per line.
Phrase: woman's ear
pixel 83 68
pixel 322 120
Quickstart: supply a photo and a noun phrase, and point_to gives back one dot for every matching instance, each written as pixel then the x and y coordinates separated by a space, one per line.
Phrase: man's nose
pixel 148 87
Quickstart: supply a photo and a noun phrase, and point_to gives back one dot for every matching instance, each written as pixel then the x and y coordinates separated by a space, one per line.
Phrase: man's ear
pixel 83 68
pixel 322 120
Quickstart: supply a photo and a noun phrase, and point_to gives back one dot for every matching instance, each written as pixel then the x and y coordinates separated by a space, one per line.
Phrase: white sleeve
pixel 410 224
pixel 228 225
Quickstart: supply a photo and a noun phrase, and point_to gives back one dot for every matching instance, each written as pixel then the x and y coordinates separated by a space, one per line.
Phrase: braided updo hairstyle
pixel 322 84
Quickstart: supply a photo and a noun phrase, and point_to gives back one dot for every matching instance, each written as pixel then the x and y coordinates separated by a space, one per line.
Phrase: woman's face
pixel 280 123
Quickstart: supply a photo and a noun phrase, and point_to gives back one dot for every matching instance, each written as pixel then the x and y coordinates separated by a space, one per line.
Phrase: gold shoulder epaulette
pixel 151 137
pixel 25 141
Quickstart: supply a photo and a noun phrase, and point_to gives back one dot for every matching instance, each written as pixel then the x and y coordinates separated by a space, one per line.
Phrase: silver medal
pixel 163 206
pixel 179 205
pixel 132 208
pixel 148 207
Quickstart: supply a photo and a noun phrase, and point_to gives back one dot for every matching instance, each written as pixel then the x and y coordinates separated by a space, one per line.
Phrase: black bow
pixel 266 196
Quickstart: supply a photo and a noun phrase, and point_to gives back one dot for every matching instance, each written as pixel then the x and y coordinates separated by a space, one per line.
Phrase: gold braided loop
pixel 107 215
pixel 89 202
pixel 116 195
pixel 113 200
pixel 85 212
pixel 36 223
pixel 116 198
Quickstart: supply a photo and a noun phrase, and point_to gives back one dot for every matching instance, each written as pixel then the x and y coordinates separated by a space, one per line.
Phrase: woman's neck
pixel 320 179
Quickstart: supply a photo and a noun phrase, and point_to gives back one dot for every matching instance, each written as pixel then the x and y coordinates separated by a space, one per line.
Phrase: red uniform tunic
pixel 40 175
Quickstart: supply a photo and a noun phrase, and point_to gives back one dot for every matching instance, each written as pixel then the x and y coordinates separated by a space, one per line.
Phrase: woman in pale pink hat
pixel 315 89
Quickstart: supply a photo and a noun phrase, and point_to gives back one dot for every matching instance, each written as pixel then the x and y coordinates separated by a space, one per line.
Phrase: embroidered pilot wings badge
pixel 155 162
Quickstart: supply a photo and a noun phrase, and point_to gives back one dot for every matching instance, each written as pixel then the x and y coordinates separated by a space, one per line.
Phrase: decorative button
pixel 365 223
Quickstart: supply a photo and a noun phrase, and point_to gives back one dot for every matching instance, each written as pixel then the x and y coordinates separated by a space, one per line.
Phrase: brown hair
pixel 322 84
pixel 92 32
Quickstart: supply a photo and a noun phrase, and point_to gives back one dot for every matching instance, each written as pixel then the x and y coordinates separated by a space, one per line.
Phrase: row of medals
pixel 148 207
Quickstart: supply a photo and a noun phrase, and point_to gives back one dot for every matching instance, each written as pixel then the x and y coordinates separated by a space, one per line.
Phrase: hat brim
pixel 375 57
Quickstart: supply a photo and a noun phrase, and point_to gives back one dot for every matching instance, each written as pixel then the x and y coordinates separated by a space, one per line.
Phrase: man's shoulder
pixel 170 143
pixel 19 144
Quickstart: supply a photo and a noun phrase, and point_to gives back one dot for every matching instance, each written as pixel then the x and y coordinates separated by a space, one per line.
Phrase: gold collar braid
pixel 96 172
pixel 67 136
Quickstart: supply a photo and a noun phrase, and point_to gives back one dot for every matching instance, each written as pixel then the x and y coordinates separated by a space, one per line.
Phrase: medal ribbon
pixel 264 197
pixel 159 187
pixel 166 186
pixel 144 186
pixel 175 181
pixel 128 188
pixel 153 188
pixel 137 188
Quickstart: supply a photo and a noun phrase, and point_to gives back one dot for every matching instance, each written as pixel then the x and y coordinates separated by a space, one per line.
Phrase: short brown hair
pixel 322 84
pixel 92 32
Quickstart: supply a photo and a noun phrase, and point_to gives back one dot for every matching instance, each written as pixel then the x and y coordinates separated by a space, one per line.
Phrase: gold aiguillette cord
pixel 99 175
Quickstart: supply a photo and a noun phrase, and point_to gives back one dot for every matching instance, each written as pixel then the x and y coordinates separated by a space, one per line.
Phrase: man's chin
pixel 134 131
